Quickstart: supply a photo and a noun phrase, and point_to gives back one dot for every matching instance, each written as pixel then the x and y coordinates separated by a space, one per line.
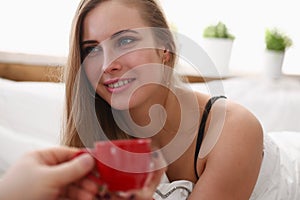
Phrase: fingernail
pixel 123 194
pixel 86 160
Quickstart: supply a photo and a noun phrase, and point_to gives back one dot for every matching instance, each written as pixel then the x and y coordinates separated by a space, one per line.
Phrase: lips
pixel 119 83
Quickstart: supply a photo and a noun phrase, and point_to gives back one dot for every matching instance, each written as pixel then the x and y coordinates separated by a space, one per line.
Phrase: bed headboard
pixel 24 67
pixel 30 67
pixel 44 73
pixel 25 72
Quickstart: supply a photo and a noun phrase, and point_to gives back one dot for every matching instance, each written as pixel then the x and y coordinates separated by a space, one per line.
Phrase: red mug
pixel 121 165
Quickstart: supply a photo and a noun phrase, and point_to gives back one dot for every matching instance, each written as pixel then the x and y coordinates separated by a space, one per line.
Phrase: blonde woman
pixel 120 84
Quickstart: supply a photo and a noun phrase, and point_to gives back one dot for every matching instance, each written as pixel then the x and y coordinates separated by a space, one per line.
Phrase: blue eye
pixel 125 41
pixel 92 50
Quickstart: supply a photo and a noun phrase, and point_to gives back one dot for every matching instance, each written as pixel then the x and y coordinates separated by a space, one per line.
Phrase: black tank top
pixel 202 129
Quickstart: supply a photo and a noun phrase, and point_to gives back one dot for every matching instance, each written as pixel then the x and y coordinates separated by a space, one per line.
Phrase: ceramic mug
pixel 121 165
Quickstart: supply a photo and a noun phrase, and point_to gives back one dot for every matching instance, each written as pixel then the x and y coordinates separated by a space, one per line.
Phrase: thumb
pixel 73 170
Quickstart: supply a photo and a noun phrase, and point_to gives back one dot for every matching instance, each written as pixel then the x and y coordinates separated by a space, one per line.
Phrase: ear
pixel 166 55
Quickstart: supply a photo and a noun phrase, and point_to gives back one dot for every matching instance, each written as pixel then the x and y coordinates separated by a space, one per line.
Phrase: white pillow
pixel 32 108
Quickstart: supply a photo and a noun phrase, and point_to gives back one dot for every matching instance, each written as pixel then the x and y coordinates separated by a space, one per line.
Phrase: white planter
pixel 219 51
pixel 273 61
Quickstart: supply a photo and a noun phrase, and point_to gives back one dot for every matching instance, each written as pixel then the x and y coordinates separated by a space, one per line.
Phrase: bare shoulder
pixel 240 128
pixel 240 121
pixel 233 147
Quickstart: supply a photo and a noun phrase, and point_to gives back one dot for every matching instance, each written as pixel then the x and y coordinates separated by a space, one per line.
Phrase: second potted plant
pixel 218 42
pixel 276 44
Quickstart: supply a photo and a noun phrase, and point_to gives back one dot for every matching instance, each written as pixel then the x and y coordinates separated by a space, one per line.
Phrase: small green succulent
pixel 217 31
pixel 277 40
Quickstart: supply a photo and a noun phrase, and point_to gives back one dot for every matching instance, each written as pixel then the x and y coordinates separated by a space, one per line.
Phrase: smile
pixel 120 83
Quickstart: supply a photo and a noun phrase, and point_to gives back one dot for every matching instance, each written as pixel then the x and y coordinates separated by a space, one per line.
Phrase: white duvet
pixel 279 177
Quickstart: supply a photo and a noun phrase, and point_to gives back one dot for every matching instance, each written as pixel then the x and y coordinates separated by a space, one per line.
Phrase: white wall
pixel 247 20
pixel 36 26
pixel 43 26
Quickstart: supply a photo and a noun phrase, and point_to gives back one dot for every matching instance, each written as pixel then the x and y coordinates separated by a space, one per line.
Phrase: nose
pixel 111 62
pixel 113 67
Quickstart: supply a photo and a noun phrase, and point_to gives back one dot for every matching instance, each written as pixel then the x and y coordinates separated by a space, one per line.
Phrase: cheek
pixel 93 74
pixel 146 65
pixel 142 57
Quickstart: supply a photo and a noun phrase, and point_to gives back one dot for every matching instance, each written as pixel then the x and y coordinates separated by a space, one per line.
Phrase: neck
pixel 159 115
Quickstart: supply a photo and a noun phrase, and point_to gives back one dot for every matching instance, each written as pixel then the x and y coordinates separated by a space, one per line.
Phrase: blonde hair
pixel 80 117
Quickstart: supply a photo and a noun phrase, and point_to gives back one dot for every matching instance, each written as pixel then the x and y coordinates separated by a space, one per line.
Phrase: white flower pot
pixel 273 61
pixel 219 51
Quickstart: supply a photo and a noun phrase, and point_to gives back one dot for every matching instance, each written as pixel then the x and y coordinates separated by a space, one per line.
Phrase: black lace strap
pixel 202 128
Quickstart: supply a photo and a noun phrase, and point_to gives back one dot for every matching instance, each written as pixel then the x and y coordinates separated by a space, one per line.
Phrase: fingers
pixel 153 180
pixel 75 192
pixel 90 186
pixel 146 193
pixel 84 189
pixel 56 155
pixel 159 168
pixel 72 170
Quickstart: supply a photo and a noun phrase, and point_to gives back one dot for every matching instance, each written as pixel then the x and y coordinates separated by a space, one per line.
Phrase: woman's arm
pixel 233 165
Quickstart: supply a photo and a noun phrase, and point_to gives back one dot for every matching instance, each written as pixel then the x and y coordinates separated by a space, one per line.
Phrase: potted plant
pixel 217 42
pixel 276 44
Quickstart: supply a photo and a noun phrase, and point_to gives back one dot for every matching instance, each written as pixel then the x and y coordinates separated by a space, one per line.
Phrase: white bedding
pixel 31 112
pixel 276 103
pixel 13 144
pixel 279 176
pixel 32 108
pixel 30 117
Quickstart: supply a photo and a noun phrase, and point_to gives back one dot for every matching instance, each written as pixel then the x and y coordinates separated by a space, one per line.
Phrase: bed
pixel 31 111
pixel 30 117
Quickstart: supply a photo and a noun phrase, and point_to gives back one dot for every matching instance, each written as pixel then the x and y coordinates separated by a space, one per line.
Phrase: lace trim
pixel 166 195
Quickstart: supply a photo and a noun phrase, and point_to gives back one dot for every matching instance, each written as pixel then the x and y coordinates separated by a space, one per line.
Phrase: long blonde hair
pixel 85 112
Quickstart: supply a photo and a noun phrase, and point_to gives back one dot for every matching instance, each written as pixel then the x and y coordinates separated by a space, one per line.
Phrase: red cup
pixel 121 165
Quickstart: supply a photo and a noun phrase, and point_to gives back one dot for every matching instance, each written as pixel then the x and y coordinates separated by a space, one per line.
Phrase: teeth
pixel 120 83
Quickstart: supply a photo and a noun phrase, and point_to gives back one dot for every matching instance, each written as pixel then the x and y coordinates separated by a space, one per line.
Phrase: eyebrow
pixel 111 37
pixel 123 31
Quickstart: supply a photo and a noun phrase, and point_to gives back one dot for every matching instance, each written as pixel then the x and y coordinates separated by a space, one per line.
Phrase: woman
pixel 120 84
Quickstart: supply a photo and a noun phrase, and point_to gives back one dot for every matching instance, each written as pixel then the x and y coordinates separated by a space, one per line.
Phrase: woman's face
pixel 121 61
